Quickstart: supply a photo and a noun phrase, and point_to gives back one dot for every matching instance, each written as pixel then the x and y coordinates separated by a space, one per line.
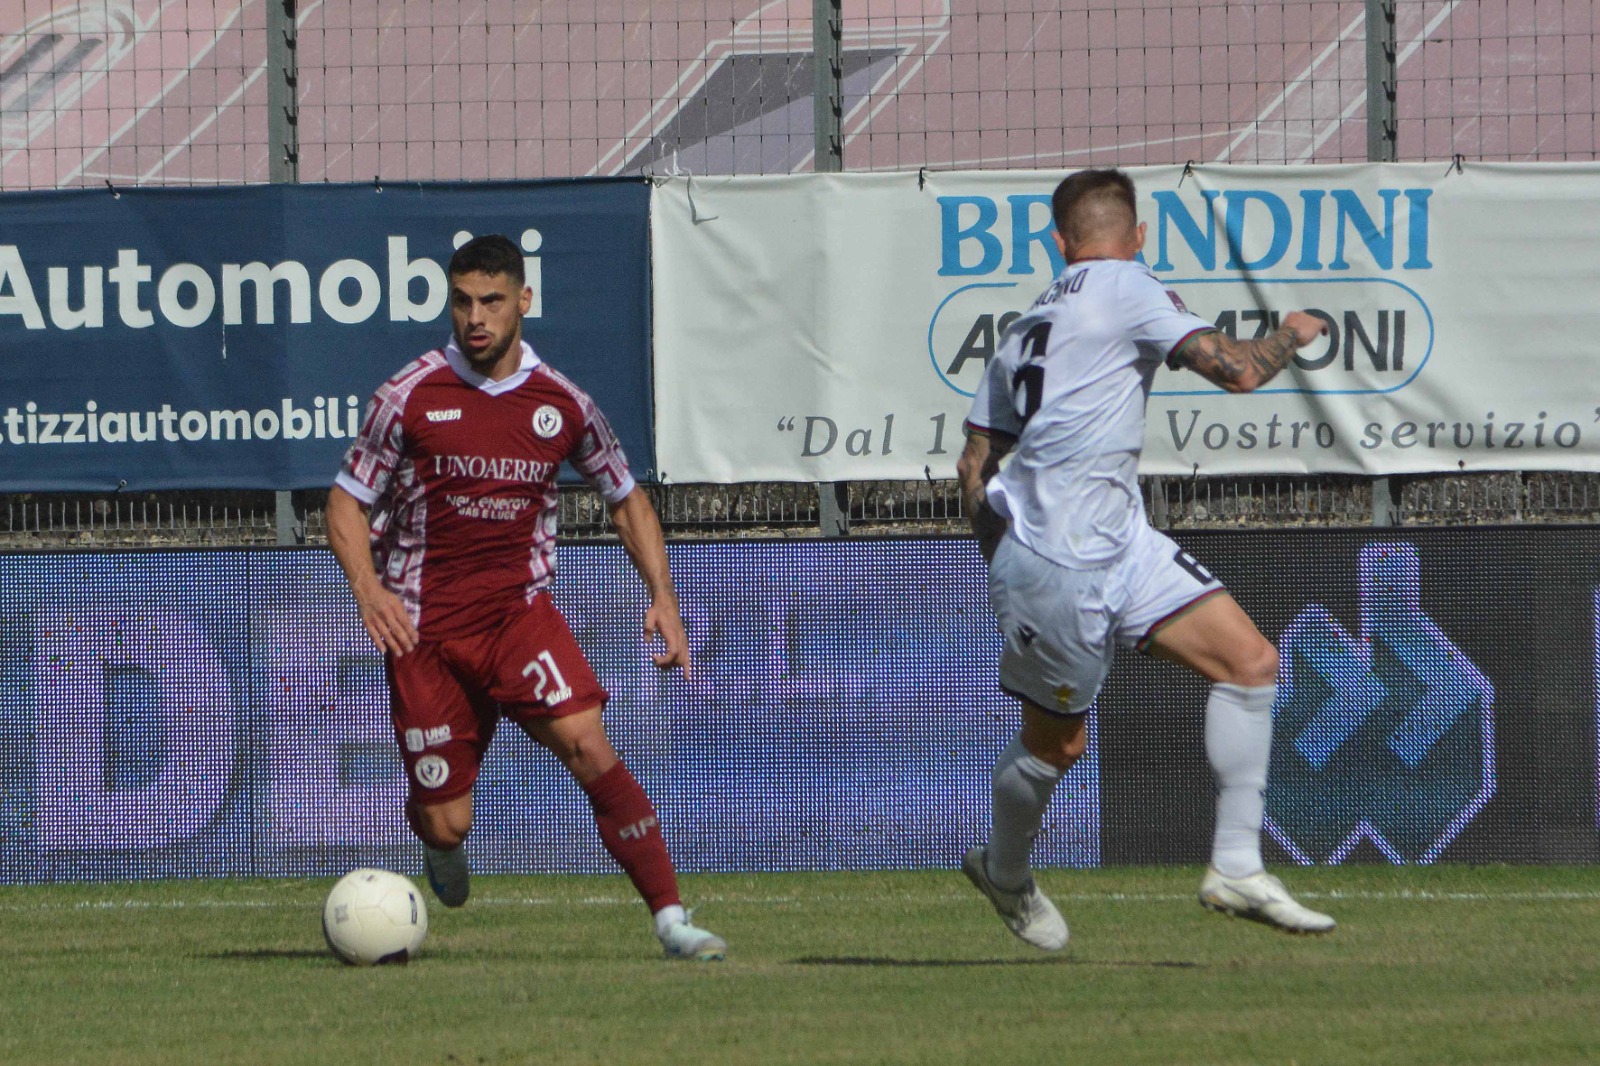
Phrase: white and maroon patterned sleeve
pixel 379 445
pixel 598 454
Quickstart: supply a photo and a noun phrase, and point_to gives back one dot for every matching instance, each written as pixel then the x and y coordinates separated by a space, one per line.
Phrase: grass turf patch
pixel 1437 964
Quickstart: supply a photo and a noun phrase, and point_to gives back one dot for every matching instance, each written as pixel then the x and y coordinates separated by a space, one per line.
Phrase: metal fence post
pixel 1382 147
pixel 283 166
pixel 1382 135
pixel 827 104
pixel 827 56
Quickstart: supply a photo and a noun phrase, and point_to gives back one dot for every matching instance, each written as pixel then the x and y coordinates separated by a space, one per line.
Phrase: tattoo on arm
pixel 1239 366
pixel 979 462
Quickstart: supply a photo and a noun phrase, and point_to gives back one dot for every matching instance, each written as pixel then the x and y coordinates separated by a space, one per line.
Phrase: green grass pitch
pixel 1445 964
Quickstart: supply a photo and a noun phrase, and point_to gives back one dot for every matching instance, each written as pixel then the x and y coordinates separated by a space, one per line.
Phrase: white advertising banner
pixel 829 327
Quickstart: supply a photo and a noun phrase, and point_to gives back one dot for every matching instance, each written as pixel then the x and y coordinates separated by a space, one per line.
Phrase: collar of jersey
pixel 464 371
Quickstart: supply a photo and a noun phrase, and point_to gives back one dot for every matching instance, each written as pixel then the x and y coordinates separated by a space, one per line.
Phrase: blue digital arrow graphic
pixel 1386 737
pixel 1344 667
pixel 1391 607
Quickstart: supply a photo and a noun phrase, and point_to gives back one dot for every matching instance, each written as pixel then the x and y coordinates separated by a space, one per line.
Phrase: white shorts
pixel 1062 626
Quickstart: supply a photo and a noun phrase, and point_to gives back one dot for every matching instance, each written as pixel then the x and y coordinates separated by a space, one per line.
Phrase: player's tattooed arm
pixel 1243 366
pixel 979 462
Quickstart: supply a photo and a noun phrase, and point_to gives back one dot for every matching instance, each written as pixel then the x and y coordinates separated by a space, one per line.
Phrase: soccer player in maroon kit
pixel 443 517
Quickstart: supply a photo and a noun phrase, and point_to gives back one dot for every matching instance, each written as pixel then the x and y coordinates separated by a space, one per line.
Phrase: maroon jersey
pixel 460 475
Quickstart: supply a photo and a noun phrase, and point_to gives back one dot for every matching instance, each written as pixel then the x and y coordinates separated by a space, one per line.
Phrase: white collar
pixel 464 371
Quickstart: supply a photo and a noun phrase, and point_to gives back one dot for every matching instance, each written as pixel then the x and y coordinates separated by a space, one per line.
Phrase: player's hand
pixel 990 529
pixel 1307 328
pixel 662 621
pixel 385 616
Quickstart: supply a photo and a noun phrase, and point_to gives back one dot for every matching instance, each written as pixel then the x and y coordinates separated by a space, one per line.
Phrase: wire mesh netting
pixel 154 92
pixel 205 92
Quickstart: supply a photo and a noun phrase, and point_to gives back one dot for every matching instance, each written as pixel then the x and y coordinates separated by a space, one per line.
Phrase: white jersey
pixel 1070 381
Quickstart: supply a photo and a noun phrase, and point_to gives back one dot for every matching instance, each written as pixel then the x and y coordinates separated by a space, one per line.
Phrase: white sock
pixel 669 916
pixel 1239 744
pixel 1022 786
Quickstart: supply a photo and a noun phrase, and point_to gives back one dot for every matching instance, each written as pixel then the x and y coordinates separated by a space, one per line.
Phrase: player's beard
pixel 491 355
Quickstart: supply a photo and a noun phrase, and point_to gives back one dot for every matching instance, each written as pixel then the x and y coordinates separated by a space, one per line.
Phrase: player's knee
pixel 1257 665
pixel 1062 755
pixel 581 746
pixel 444 827
pixel 1073 747
pixel 1054 740
pixel 587 761
pixel 446 838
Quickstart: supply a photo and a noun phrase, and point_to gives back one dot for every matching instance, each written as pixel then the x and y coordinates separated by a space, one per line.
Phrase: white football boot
pixel 1260 898
pixel 448 874
pixel 1027 912
pixel 681 940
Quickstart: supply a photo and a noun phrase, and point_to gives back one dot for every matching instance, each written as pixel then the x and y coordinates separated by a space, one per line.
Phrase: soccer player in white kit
pixel 1075 568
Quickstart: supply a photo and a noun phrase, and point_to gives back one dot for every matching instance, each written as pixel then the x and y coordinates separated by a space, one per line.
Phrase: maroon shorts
pixel 447 696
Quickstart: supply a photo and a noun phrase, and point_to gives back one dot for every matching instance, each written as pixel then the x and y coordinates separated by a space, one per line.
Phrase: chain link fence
pixel 208 92
pixel 161 92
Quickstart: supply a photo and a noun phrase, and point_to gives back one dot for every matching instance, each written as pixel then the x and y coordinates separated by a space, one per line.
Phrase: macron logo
pixel 449 414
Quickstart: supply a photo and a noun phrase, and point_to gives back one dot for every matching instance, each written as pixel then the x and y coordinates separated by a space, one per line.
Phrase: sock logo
pixel 640 829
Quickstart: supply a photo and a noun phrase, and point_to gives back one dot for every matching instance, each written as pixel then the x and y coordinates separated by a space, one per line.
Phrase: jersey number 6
pixel 1028 381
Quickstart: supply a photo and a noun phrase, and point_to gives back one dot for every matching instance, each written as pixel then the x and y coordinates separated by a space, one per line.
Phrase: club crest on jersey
pixel 547 421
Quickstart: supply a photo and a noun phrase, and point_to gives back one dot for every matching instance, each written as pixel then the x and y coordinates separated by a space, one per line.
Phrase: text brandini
pixel 1319 229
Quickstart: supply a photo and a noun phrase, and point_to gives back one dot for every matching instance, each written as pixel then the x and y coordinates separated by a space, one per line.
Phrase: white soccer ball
pixel 373 917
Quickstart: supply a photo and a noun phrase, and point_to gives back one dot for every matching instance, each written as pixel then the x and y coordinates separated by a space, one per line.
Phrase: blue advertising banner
pixel 184 714
pixel 230 338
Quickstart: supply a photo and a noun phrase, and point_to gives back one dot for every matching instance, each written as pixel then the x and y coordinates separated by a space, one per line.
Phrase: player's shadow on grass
pixel 1055 960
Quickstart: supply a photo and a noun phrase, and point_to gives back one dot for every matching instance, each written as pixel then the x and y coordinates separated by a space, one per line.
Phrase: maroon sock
pixel 631 833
